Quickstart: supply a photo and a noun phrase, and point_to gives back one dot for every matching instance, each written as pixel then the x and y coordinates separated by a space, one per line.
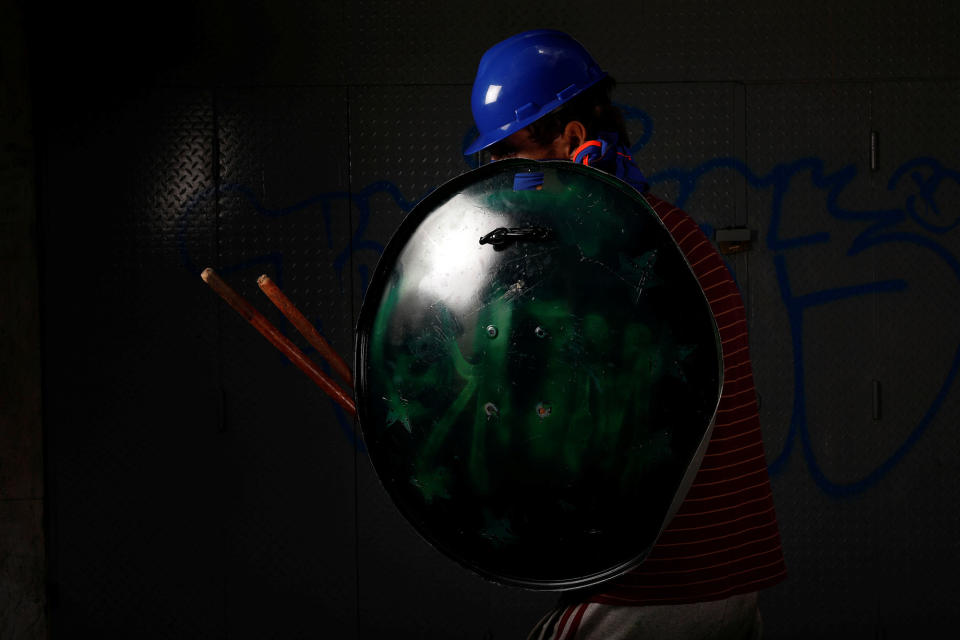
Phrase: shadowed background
pixel 164 472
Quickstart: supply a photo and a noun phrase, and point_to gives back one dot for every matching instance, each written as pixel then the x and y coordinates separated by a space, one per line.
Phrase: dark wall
pixel 21 440
pixel 198 485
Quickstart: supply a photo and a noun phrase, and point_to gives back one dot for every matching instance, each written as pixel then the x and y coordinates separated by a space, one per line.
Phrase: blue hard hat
pixel 525 77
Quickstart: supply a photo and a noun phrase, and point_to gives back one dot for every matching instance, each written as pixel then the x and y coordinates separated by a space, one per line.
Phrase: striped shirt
pixel 724 538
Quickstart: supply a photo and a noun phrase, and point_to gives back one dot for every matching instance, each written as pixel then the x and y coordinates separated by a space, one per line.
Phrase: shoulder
pixel 675 219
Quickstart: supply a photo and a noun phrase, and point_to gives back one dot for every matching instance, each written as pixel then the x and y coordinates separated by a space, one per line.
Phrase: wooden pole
pixel 306 329
pixel 280 341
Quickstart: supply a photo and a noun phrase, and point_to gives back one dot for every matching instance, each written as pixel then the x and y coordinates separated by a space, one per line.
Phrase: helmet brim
pixel 494 136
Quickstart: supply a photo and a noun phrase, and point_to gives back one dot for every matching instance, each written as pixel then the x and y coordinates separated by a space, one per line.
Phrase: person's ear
pixel 574 135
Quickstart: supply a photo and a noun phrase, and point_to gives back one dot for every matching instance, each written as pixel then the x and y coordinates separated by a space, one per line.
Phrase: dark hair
pixel 592 108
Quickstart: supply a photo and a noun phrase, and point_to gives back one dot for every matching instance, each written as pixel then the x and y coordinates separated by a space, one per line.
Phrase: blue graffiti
pixel 919 182
pixel 928 176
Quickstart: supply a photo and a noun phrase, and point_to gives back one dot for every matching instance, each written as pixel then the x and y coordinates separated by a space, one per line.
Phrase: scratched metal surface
pixel 407 588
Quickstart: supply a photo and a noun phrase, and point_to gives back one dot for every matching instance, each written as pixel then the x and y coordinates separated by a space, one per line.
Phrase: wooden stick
pixel 307 330
pixel 280 341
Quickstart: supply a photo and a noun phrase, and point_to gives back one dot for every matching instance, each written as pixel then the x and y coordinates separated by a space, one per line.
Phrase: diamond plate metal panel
pixel 289 453
pixel 919 177
pixel 689 141
pixel 814 342
pixel 680 135
pixel 286 43
pixel 283 202
pixel 300 43
pixel 755 40
pixel 128 427
pixel 916 120
pixel 807 151
pixel 441 43
pixel 913 39
pixel 918 174
pixel 666 40
pixel 404 142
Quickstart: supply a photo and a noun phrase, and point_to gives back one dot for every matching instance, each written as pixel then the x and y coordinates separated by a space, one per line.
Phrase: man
pixel 540 95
